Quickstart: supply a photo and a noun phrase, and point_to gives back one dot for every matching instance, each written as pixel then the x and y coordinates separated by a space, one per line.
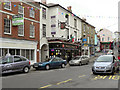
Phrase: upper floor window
pixel 20 9
pixel 44 13
pixel 108 38
pixel 75 23
pixel 7 5
pixel 102 39
pixel 84 27
pixel 7 26
pixel 32 13
pixel 44 30
pixel 21 30
pixel 32 30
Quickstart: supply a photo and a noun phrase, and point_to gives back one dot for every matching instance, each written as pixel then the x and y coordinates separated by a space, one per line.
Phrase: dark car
pixel 52 63
pixel 14 63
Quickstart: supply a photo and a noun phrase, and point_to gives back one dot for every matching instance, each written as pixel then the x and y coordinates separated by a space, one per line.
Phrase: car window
pixel 56 59
pixel 104 59
pixel 17 59
pixel 7 60
pixel 23 59
pixel 75 58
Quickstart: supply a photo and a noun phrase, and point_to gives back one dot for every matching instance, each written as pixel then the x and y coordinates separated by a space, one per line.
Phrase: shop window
pixel 4 51
pixel 0 52
pixel 32 54
pixel 27 54
pixel 23 53
pixel 17 51
pixel 12 51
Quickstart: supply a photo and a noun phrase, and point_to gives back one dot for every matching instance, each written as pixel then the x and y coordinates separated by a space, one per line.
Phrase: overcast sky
pixel 95 8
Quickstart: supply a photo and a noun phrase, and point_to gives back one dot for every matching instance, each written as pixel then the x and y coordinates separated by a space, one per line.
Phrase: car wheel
pixel 25 69
pixel 94 73
pixel 47 67
pixel 113 71
pixel 80 63
pixel 63 65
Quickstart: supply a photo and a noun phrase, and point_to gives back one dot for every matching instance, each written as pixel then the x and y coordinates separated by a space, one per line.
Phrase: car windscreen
pixel 75 58
pixel 104 59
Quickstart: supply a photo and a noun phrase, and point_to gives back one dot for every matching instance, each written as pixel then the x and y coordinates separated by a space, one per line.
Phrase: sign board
pixel 17 20
pixel 84 39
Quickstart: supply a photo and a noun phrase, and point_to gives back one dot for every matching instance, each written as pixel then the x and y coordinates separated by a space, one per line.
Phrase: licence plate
pixel 35 66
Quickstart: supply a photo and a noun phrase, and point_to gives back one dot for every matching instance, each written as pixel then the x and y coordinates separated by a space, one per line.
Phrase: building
pixel 64 32
pixel 20 23
pixel 88 38
pixel 106 39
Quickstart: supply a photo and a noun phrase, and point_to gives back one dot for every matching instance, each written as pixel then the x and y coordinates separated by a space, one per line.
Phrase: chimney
pixel 43 1
pixel 84 19
pixel 69 8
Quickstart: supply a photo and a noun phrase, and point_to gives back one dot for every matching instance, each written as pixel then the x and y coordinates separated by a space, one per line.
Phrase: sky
pixel 99 13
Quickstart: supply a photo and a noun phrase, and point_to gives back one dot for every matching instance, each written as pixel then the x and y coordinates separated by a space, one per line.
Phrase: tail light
pixel 29 61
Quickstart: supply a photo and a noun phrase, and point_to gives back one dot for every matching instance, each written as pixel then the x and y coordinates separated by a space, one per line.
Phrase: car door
pixel 18 63
pixel 55 62
pixel 7 64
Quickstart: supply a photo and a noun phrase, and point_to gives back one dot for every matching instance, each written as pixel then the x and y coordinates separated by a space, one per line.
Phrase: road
pixel 69 77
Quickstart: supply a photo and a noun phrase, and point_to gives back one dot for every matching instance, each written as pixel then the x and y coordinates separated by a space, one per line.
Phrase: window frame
pixel 31 13
pixel 7 25
pixel 23 30
pixel 10 5
pixel 30 31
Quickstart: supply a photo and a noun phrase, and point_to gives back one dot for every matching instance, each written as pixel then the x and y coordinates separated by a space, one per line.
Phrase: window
pixel 4 51
pixel 17 51
pixel 23 52
pixel 27 54
pixel 32 30
pixel 44 30
pixel 44 13
pixel 17 59
pixel 75 23
pixel 21 30
pixel 7 5
pixel 108 38
pixel 12 51
pixel 7 26
pixel 20 9
pixel 7 60
pixel 75 33
pixel 102 39
pixel 84 27
pixel 32 54
pixel 32 13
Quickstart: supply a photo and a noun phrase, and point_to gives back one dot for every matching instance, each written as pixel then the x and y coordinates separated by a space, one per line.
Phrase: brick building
pixel 19 26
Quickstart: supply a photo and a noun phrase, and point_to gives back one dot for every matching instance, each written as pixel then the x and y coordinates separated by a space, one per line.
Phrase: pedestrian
pixel 8 54
pixel 47 58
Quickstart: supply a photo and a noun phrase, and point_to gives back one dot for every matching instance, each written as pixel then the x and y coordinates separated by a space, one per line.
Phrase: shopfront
pixel 64 50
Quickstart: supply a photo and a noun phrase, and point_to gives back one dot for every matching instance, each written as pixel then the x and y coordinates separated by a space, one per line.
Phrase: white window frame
pixel 23 31
pixel 22 8
pixel 34 32
pixel 10 5
pixel 31 13
pixel 10 27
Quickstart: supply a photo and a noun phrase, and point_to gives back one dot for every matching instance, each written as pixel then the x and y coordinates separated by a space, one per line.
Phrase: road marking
pixel 64 81
pixel 46 86
pixel 82 76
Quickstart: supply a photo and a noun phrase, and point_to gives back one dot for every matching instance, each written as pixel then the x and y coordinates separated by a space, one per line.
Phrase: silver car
pixel 14 63
pixel 79 60
pixel 105 64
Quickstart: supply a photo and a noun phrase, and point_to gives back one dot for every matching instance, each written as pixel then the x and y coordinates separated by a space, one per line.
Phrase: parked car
pixel 79 60
pixel 110 52
pixel 52 63
pixel 105 64
pixel 14 63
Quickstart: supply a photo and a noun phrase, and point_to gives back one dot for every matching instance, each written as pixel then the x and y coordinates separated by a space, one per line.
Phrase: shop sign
pixel 17 20
pixel 52 49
